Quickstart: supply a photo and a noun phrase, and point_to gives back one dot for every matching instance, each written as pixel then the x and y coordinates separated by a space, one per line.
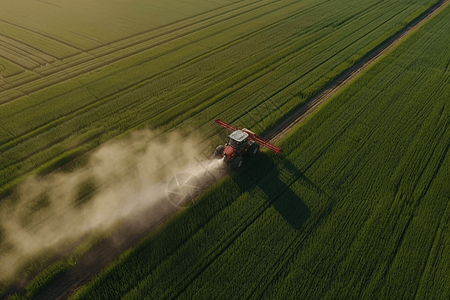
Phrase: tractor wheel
pixel 253 149
pixel 237 164
pixel 218 151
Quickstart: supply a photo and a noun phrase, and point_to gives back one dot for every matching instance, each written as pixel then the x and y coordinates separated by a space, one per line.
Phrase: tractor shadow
pixel 262 172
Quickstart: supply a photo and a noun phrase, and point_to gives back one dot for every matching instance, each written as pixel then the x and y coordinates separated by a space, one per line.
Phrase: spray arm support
pixel 252 136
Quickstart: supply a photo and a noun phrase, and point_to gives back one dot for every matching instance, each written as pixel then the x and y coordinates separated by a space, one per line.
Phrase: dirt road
pixel 131 234
pixel 299 114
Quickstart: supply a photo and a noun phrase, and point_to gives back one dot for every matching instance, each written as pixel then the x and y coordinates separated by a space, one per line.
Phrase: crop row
pixel 162 91
pixel 98 57
pixel 44 44
pixel 389 162
pixel 104 22
pixel 357 208
pixel 7 69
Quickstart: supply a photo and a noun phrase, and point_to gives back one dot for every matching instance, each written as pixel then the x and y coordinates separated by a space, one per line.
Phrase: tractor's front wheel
pixel 237 164
pixel 218 151
pixel 253 149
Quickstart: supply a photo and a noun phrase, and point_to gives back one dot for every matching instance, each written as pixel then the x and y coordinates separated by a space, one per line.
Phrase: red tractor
pixel 241 142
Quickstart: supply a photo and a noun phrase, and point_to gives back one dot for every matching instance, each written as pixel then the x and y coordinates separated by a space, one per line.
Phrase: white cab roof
pixel 238 135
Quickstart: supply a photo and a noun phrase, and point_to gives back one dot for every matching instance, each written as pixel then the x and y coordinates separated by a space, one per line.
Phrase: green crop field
pixel 85 76
pixel 356 208
pixel 67 87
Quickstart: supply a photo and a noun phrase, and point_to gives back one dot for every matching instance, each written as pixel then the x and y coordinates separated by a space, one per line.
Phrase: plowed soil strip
pixel 106 252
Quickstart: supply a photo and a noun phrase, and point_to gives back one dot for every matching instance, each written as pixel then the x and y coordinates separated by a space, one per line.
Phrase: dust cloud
pixel 122 179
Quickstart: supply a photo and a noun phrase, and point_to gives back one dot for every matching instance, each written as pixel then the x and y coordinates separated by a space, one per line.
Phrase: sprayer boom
pixel 251 136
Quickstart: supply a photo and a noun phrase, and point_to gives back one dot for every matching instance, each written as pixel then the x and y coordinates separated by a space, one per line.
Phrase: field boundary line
pixel 107 98
pixel 304 110
pixel 8 39
pixel 107 59
pixel 285 87
pixel 43 34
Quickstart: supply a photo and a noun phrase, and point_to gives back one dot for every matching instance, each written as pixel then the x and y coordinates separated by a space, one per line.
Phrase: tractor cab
pixel 241 142
pixel 238 140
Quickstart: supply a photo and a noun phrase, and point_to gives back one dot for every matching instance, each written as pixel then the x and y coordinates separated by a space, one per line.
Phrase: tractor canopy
pixel 238 139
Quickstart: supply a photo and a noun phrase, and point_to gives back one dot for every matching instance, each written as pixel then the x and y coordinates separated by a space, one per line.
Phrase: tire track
pixel 218 249
pixel 147 40
pixel 416 204
pixel 103 101
pixel 301 68
pixel 21 61
pixel 57 78
pixel 18 162
pixel 27 48
pixel 162 73
pixel 111 56
pixel 223 244
pixel 303 111
pixel 153 57
pixel 20 57
pixel 290 248
pixel 297 243
pixel 311 68
pixel 431 252
pixel 130 37
pixel 8 145
pixel 42 34
pixel 285 61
